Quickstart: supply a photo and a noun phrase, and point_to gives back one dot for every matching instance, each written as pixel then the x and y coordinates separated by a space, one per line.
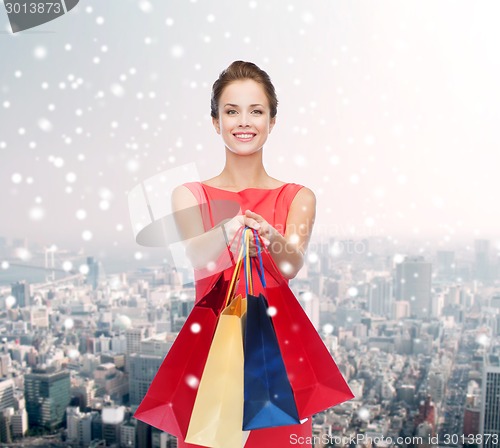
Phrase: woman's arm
pixel 204 247
pixel 201 247
pixel 288 250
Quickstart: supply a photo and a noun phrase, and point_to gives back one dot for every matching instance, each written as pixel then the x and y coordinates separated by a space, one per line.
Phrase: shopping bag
pixel 269 400
pixel 169 400
pixel 218 408
pixel 316 381
pixel 170 397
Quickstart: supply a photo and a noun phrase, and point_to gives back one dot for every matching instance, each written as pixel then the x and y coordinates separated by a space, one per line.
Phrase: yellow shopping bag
pixel 216 420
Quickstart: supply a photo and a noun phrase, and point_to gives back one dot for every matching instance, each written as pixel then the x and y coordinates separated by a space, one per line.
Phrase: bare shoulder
pixel 304 197
pixel 183 197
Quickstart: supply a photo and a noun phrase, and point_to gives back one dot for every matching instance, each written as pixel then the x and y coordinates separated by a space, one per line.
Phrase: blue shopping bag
pixel 268 395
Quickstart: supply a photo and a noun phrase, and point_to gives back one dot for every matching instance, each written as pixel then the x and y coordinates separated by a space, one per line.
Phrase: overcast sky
pixel 388 111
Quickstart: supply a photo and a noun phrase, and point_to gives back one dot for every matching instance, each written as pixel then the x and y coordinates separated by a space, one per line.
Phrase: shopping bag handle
pixel 237 267
pixel 245 243
pixel 273 269
pixel 259 256
pixel 247 261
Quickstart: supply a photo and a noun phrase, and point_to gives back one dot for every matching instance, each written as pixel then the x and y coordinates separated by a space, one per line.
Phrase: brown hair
pixel 238 71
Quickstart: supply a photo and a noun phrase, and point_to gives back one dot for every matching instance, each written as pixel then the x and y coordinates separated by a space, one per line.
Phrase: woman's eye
pixel 259 112
pixel 231 112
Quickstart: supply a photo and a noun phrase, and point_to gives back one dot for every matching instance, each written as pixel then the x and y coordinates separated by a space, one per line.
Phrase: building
pixel 95 272
pixel 48 393
pixel 79 426
pixel 134 336
pixel 112 419
pixel 7 395
pixel 19 423
pixel 472 420
pixel 111 381
pixel 127 434
pixel 427 416
pixel 5 363
pixel 83 389
pixel 437 385
pixel 39 317
pixel 5 432
pixel 118 359
pixel 21 291
pixel 72 417
pixel 310 303
pixel 413 284
pixel 380 296
pixel 490 405
pixel 145 364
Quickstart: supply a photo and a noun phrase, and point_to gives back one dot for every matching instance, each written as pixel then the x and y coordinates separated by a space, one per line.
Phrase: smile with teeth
pixel 242 136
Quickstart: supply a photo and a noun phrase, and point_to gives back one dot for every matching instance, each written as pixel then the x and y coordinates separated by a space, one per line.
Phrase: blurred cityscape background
pixel 414 332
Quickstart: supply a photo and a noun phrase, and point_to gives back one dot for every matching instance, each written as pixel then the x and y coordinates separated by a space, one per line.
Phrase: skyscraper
pixel 413 283
pixel 94 273
pixel 7 394
pixel 21 291
pixel 145 364
pixel 134 336
pixel 380 296
pixel 48 393
pixel 490 405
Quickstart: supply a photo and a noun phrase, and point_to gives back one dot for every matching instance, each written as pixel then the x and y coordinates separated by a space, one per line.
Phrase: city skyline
pixel 412 335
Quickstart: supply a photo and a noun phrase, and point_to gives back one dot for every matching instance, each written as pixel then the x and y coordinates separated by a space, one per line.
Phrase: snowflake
pixel 177 51
pixel 195 327
pixel 40 52
pixel 45 125
pixel 192 381
pixel 86 235
pixel 36 213
pixel 145 6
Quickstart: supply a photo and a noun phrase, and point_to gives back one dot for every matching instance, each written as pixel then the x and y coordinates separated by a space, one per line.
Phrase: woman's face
pixel 244 117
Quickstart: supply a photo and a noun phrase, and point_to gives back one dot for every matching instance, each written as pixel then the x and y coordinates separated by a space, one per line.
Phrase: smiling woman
pixel 243 110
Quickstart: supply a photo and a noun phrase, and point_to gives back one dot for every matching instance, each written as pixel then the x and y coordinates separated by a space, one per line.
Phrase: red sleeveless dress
pixel 273 205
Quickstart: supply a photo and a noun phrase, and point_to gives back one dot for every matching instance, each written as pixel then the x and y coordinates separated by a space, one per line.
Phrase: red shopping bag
pixel 169 401
pixel 170 398
pixel 316 381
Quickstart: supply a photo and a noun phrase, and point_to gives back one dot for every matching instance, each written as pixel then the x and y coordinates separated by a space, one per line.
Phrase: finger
pixel 250 222
pixel 240 219
pixel 254 215
pixel 254 240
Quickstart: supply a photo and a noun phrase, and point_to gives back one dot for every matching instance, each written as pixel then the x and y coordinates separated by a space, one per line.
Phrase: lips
pixel 244 136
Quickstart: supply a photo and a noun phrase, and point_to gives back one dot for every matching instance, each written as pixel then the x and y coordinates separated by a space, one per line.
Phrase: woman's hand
pixel 254 221
pixel 266 231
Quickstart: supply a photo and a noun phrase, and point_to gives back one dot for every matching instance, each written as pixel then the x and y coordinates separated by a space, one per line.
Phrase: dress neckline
pixel 244 189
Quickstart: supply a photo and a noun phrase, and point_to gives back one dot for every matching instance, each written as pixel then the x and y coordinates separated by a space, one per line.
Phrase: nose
pixel 244 120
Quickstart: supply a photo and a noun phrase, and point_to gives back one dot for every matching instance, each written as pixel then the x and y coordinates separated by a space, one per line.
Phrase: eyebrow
pixel 235 105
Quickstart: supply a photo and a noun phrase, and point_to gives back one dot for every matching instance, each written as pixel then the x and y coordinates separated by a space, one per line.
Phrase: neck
pixel 243 171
